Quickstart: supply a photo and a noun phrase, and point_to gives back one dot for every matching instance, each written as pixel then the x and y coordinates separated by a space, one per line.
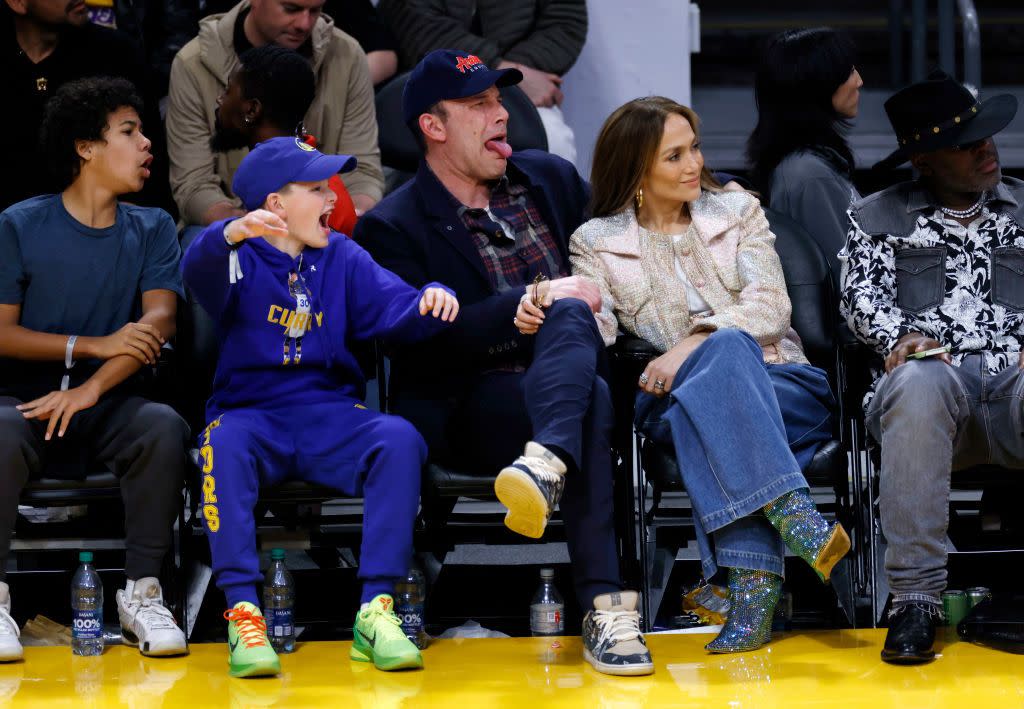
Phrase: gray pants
pixel 143 443
pixel 930 419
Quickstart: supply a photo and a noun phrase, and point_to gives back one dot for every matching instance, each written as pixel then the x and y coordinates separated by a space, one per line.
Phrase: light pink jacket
pixel 728 255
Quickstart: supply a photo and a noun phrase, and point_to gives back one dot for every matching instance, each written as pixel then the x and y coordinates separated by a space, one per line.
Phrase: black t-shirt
pixel 81 52
pixel 360 20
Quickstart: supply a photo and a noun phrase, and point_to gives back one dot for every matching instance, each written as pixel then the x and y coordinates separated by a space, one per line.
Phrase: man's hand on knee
pixel 574 287
pixel 909 344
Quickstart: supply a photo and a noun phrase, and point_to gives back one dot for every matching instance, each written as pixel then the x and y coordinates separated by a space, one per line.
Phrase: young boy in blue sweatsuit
pixel 288 295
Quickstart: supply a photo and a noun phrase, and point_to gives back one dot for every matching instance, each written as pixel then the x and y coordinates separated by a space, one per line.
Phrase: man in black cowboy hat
pixel 934 282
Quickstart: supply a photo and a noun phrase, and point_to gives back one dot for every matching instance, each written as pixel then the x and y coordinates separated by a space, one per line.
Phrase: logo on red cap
pixel 472 63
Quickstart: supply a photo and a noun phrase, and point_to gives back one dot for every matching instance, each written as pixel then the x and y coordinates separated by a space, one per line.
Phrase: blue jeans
pixel 742 431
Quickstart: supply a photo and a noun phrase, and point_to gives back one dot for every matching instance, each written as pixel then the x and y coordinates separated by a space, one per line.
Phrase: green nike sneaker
pixel 251 653
pixel 378 638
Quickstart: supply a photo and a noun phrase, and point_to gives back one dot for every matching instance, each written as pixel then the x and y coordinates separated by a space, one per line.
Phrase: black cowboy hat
pixel 940 112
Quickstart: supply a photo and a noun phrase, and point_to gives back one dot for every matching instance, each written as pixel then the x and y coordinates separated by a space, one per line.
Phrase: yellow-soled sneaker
pixel 530 488
pixel 250 652
pixel 377 637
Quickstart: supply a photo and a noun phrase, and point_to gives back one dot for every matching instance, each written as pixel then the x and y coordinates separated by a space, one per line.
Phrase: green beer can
pixel 955 606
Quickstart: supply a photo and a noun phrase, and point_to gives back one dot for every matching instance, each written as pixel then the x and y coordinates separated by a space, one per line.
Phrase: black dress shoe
pixel 911 635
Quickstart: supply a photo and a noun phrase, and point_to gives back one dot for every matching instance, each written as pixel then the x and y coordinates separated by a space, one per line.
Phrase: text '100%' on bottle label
pixel 87 625
pixel 412 620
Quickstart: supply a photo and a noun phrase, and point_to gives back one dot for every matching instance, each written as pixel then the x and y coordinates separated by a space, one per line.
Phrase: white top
pixel 693 297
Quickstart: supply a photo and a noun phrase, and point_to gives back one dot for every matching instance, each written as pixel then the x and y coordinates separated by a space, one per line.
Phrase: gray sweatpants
pixel 930 419
pixel 143 443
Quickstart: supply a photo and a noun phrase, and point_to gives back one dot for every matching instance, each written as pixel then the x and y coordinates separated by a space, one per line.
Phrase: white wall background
pixel 634 48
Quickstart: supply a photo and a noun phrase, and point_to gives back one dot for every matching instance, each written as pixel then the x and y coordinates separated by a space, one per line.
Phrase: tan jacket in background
pixel 728 255
pixel 342 116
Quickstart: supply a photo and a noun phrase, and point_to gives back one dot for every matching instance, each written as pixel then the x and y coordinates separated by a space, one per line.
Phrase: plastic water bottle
pixel 279 603
pixel 547 611
pixel 86 609
pixel 411 595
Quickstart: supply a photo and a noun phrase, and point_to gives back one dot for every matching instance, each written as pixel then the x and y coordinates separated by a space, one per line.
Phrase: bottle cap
pixel 85 557
pixel 277 554
pixel 547 573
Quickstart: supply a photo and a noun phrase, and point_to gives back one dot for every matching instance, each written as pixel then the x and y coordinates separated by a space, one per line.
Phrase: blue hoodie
pixel 283 338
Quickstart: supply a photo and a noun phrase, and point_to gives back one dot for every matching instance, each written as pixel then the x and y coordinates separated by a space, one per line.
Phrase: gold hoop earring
pixel 639 198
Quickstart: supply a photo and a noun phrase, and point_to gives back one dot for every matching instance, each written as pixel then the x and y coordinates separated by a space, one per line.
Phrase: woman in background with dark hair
pixel 692 269
pixel 807 91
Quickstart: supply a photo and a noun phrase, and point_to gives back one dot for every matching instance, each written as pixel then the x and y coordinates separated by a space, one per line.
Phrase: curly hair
pixel 282 80
pixel 79 110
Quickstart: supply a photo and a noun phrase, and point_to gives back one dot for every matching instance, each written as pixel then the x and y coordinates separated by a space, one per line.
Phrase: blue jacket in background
pixel 349 297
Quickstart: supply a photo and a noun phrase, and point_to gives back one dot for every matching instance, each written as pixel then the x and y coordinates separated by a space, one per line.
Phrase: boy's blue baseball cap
pixel 447 74
pixel 274 163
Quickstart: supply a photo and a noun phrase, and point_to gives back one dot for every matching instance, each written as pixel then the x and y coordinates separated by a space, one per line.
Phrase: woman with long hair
pixel 807 91
pixel 692 269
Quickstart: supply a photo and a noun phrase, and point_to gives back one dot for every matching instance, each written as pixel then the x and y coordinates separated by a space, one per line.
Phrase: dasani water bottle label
pixel 87 624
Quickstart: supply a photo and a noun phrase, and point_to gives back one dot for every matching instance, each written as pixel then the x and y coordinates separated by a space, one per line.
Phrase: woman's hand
pixel 60 406
pixel 661 372
pixel 528 317
pixel 439 303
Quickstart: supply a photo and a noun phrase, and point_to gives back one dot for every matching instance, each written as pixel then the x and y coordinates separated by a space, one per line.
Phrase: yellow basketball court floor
pixel 807 669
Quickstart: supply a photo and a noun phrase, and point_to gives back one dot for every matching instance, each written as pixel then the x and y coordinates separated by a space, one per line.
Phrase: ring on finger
pixel 644 379
pixel 659 384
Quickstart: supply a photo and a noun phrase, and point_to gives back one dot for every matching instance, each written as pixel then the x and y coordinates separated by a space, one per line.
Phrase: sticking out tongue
pixel 500 147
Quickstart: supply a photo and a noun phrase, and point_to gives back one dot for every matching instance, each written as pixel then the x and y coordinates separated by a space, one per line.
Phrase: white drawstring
pixel 234 267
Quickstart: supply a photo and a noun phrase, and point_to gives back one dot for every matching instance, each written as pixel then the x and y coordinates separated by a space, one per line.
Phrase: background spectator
pixel 359 19
pixel 266 98
pixel 808 91
pixel 46 44
pixel 160 28
pixel 342 116
pixel 542 39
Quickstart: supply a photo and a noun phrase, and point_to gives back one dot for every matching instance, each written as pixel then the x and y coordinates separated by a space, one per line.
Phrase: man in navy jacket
pixel 495 228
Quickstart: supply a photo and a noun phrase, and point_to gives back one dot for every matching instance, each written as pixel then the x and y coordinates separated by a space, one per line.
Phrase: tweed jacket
pixel 728 255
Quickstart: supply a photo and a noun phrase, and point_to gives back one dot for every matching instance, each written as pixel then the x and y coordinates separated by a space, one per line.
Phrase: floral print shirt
pixel 962 285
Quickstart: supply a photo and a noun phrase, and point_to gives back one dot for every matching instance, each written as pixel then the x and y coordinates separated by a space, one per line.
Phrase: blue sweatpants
pixel 341 445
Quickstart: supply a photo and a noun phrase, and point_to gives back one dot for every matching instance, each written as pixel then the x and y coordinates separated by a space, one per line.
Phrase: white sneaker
pixel 146 621
pixel 10 646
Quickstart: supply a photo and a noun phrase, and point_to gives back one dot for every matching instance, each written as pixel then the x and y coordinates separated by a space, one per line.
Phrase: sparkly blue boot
pixel 806 532
pixel 753 596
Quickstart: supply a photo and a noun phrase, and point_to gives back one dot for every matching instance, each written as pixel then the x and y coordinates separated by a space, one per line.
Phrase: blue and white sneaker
pixel 612 642
pixel 530 488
